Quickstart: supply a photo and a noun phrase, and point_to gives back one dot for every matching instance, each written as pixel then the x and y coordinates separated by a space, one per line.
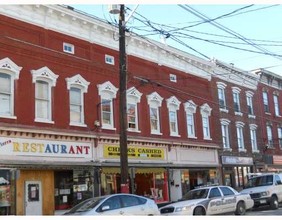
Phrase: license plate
pixel 263 201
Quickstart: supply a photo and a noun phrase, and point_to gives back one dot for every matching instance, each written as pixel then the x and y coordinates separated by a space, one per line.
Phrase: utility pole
pixel 124 182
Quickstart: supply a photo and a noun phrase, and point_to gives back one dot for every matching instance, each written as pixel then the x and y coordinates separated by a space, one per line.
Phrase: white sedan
pixel 211 200
pixel 116 204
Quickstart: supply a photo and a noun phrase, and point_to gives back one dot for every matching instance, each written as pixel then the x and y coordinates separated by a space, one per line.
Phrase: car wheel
pixel 199 211
pixel 240 208
pixel 274 202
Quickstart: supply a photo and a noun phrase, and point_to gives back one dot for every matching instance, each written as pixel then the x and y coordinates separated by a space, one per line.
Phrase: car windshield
pixel 260 181
pixel 196 194
pixel 86 205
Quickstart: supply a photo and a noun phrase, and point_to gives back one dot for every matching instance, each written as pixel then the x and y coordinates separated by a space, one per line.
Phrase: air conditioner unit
pixel 114 9
pixel 97 123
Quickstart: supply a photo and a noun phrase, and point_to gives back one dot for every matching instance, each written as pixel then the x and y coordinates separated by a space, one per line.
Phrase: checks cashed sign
pixel 44 148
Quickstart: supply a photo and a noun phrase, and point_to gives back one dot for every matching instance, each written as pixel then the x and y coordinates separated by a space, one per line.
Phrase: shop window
pixel 7 193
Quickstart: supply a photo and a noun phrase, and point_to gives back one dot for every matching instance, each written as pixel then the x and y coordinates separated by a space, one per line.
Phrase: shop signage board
pixel 237 160
pixel 44 148
pixel 277 160
pixel 151 153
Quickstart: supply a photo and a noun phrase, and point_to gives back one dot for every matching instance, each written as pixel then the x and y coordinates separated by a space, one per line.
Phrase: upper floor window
pixel 269 136
pixel 265 101
pixel 190 109
pixel 133 98
pixel 249 96
pixel 269 80
pixel 44 80
pixel 68 48
pixel 221 95
pixel 9 72
pixel 225 133
pixel 155 102
pixel 206 112
pixel 77 86
pixel 280 136
pixel 276 105
pixel 107 92
pixel 109 59
pixel 173 106
pixel 240 136
pixel 172 78
pixel 253 134
pixel 236 99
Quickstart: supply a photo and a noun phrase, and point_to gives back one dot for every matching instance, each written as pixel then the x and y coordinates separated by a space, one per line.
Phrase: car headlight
pixel 183 208
pixel 266 193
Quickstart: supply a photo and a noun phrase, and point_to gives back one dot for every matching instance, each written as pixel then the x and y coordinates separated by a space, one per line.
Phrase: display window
pixel 149 182
pixel 7 192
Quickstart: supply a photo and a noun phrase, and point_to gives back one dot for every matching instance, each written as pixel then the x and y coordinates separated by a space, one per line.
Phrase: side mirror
pixel 278 182
pixel 105 208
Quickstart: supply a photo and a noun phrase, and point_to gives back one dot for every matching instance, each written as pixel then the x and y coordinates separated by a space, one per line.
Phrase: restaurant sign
pixel 135 152
pixel 232 160
pixel 44 148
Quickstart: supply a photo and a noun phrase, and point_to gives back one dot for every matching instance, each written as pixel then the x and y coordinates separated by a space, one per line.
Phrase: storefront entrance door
pixel 33 198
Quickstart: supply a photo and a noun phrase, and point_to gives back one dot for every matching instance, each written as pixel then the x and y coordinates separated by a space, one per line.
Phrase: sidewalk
pixel 60 212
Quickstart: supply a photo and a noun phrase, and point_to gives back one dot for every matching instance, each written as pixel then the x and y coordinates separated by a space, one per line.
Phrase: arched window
pixel 190 109
pixel 206 112
pixel 9 72
pixel 154 102
pixel 44 80
pixel 133 98
pixel 173 106
pixel 77 86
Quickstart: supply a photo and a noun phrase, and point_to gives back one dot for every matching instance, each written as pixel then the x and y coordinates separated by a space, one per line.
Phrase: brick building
pixel 59 113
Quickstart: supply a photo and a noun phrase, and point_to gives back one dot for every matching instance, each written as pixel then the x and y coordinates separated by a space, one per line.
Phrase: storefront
pixel 235 170
pixel 45 174
pixel 273 163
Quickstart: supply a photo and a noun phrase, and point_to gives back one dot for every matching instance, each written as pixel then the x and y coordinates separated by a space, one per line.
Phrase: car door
pixel 215 203
pixel 230 199
pixel 111 206
pixel 133 205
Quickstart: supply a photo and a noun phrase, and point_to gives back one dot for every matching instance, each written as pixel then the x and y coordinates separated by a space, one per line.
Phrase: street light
pixel 124 183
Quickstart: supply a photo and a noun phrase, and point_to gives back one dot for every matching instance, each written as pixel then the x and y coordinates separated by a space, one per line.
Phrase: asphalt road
pixel 265 211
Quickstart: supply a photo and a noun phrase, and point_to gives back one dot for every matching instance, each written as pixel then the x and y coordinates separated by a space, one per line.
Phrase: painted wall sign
pixel 135 152
pixel 44 148
pixel 237 160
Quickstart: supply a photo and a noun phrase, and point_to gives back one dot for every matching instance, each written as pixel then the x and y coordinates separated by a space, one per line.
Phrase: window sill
pixel 175 135
pixel 156 133
pixel 207 138
pixel 278 116
pixel 252 116
pixel 108 128
pixel 267 113
pixel 192 137
pixel 256 151
pixel 223 110
pixel 227 149
pixel 133 130
pixel 239 113
pixel 243 150
pixel 78 124
pixel 8 116
pixel 44 121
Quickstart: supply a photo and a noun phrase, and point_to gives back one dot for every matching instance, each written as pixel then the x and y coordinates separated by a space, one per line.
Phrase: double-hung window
pixel 77 86
pixel 253 135
pixel 236 99
pixel 173 106
pixel 133 98
pixel 107 92
pixel 155 102
pixel 240 136
pixel 190 109
pixel 276 105
pixel 44 79
pixel 265 102
pixel 206 112
pixel 225 133
pixel 9 72
pixel 249 97
pixel 269 136
pixel 280 136
pixel 221 96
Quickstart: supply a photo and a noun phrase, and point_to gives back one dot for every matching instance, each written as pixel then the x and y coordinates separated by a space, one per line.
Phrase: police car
pixel 210 200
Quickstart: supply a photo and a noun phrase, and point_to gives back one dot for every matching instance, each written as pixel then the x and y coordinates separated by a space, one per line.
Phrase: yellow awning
pixel 110 170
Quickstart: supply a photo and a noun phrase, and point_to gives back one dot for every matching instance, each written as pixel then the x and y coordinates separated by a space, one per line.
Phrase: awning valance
pixel 115 170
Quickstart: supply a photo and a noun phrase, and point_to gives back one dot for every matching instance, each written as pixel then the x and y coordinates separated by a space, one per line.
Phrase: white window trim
pixel 240 125
pixel 253 127
pixel 221 85
pixel 226 122
pixel 276 105
pixel 7 66
pixel 206 112
pixel 107 91
pixel 190 108
pixel 250 94
pixel 134 97
pixel 79 82
pixel 111 57
pixel 46 75
pixel 68 45
pixel 236 90
pixel 173 106
pixel 155 101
